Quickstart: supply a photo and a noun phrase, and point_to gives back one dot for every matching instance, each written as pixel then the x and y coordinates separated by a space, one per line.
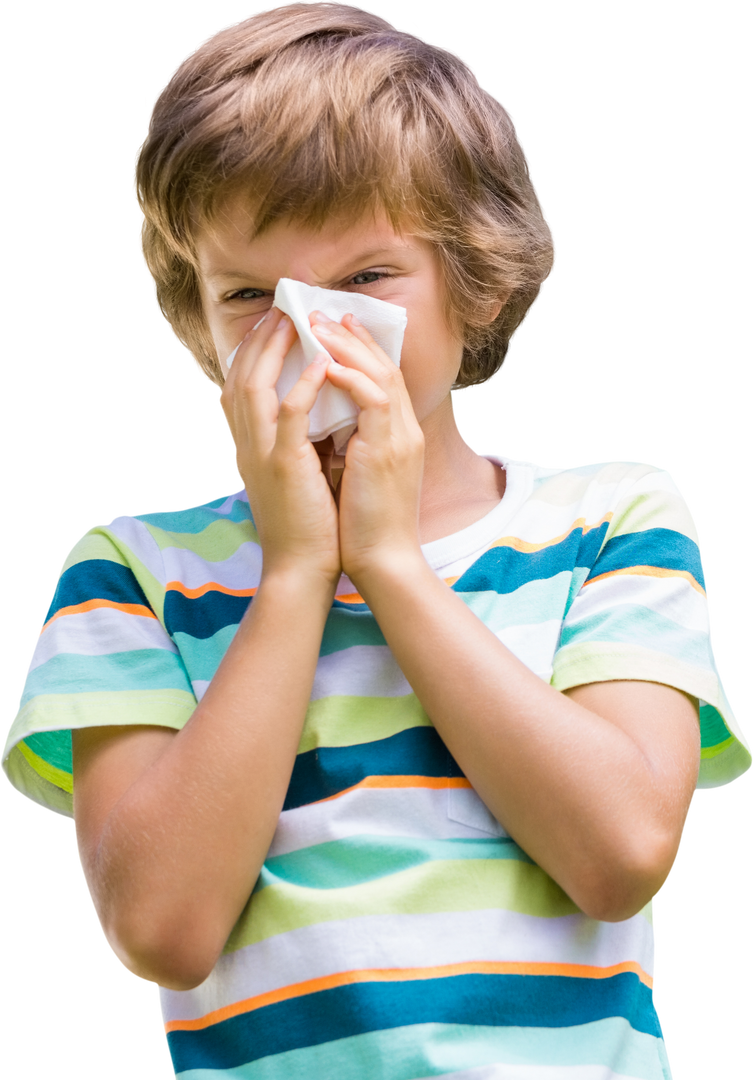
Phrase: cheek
pixel 431 352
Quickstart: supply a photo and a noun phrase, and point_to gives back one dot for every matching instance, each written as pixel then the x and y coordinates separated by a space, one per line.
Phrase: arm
pixel 173 827
pixel 593 784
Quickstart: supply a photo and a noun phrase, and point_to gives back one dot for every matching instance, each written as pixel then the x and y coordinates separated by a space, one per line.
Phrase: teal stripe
pixel 54 747
pixel 635 624
pixel 346 627
pixel 136 669
pixel 434 1049
pixel 202 656
pixel 339 863
pixel 196 519
pixel 532 603
pixel 713 728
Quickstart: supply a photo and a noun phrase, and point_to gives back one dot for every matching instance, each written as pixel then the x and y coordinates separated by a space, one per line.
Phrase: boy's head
pixel 318 110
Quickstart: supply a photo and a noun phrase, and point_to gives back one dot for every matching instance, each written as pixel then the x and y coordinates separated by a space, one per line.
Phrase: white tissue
pixel 334 412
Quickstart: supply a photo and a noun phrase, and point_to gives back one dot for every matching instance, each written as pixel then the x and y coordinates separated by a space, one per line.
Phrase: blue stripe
pixel 348 625
pixel 328 770
pixel 491 1000
pixel 97 579
pixel 203 616
pixel 503 569
pixel 663 548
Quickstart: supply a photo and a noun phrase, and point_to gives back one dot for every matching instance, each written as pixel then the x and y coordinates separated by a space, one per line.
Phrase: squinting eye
pixel 247 294
pixel 366 278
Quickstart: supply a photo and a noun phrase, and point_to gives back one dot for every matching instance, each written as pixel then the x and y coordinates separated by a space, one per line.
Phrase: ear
pixel 494 309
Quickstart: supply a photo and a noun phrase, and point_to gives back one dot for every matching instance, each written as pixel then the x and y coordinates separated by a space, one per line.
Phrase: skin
pixel 458 487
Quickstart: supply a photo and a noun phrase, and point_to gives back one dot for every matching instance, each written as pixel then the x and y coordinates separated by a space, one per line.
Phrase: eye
pixel 240 294
pixel 367 277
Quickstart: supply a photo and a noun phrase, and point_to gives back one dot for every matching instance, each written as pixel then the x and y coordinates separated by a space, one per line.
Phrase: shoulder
pixel 617 496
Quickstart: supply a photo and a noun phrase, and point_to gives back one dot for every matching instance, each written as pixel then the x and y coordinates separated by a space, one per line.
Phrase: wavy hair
pixel 311 109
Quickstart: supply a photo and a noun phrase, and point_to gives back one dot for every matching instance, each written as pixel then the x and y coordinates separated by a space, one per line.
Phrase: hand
pixel 380 487
pixel 291 502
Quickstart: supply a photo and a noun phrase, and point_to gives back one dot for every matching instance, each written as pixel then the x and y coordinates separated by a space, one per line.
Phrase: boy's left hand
pixel 381 484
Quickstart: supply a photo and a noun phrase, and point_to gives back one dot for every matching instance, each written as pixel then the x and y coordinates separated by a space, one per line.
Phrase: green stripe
pixel 57 777
pixel 606 661
pixel 216 543
pixel 655 510
pixel 345 720
pixel 449 885
pixel 202 656
pixel 134 669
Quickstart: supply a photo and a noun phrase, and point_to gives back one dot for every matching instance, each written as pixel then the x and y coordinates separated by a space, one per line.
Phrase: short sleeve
pixel 103 658
pixel 641 613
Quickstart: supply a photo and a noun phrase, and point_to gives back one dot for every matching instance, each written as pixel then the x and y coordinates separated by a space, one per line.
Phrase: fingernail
pixel 283 322
pixel 354 320
pixel 320 317
pixel 321 358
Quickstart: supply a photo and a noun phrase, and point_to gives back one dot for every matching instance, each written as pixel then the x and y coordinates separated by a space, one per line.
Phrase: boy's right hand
pixel 291 502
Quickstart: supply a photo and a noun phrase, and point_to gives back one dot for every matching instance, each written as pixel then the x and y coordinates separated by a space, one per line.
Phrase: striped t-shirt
pixel 396 930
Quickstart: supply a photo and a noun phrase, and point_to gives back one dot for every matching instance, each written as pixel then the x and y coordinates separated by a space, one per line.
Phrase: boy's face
pixel 238 278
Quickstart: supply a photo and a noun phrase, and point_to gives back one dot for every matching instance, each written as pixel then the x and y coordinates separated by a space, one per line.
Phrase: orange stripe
pixel 209 586
pixel 440 971
pixel 350 598
pixel 90 605
pixel 356 598
pixel 528 548
pixel 436 783
pixel 650 571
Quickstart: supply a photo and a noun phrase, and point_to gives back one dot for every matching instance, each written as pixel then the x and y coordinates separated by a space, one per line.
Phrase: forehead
pixel 229 244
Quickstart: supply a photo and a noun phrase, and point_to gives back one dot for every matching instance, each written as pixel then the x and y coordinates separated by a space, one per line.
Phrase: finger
pixel 364 391
pixel 360 351
pixel 293 417
pixel 350 322
pixel 252 344
pixel 250 399
pixel 262 364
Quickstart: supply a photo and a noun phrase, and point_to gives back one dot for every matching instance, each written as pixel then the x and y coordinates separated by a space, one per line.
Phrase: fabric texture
pixel 396 930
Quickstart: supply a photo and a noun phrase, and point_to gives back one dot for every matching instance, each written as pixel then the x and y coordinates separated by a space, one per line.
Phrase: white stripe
pixel 419 813
pixel 410 941
pixel 673 597
pixel 535 1072
pixel 99 632
pixel 362 671
pixel 241 570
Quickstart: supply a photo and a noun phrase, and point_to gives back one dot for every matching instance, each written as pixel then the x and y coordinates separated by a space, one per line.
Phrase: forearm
pixel 178 854
pixel 572 788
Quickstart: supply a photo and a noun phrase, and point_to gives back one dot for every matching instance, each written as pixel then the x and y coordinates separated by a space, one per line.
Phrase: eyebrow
pixel 359 259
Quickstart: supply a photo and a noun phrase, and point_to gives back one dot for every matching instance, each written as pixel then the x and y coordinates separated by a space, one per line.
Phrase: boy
pixel 396 927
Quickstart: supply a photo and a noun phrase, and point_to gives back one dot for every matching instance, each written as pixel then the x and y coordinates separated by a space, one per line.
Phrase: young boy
pixel 447 720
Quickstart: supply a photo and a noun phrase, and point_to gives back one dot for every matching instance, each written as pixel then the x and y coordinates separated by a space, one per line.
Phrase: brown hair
pixel 316 108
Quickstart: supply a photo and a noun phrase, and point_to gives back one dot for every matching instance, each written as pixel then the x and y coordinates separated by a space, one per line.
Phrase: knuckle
pixel 250 389
pixel 288 407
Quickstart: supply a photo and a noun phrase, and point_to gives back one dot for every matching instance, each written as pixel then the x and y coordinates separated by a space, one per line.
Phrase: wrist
pixel 299 584
pixel 392 570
